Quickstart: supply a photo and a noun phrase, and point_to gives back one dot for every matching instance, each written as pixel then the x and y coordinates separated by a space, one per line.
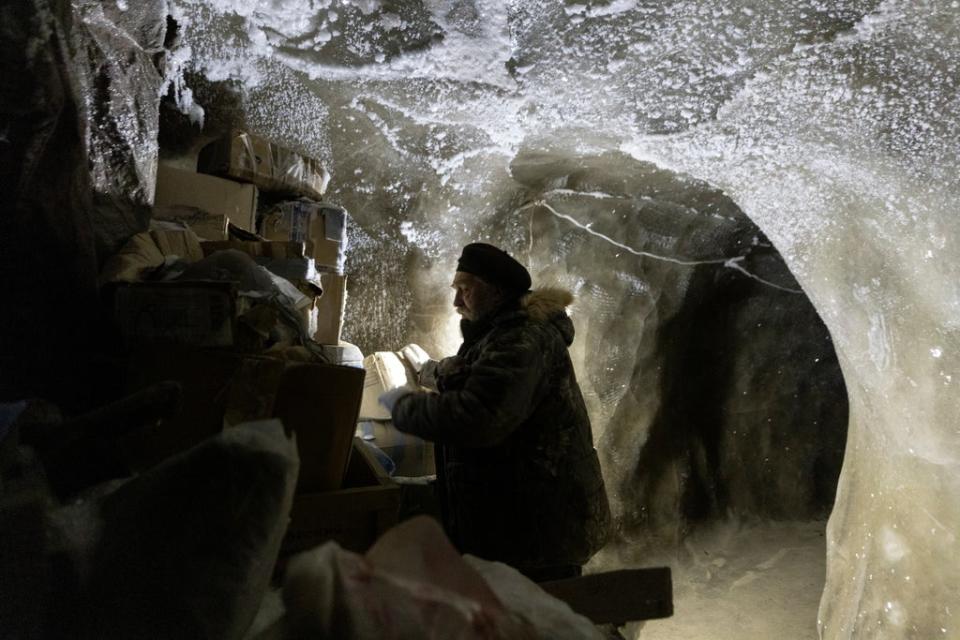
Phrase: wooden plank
pixel 617 597
pixel 356 500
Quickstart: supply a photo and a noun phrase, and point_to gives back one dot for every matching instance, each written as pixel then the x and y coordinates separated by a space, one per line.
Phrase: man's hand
pixel 389 398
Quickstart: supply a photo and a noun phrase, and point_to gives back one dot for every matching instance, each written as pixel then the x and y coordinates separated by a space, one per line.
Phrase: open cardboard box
pixel 290 260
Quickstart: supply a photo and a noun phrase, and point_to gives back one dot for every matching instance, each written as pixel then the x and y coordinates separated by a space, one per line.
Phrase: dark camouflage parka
pixel 519 480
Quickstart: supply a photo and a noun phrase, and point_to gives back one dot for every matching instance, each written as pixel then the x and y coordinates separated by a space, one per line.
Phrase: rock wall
pixel 79 112
pixel 48 262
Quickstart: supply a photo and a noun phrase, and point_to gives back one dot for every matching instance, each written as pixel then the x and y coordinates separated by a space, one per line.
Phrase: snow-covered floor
pixel 758 581
pixel 735 581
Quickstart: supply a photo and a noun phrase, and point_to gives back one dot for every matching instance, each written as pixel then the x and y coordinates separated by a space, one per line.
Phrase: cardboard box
pixel 320 403
pixel 215 196
pixel 250 158
pixel 383 371
pixel 353 516
pixel 198 313
pixel 208 227
pixel 324 225
pixel 326 317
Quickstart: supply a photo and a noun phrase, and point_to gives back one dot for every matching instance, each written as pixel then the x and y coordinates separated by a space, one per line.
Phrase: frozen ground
pixel 738 582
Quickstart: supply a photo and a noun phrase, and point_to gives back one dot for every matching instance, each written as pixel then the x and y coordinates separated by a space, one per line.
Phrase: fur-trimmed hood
pixel 546 302
pixel 549 304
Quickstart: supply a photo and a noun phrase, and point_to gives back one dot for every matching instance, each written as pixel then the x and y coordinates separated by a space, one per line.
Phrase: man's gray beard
pixel 482 314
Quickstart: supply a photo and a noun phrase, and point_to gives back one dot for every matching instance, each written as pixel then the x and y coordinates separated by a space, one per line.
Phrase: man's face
pixel 474 297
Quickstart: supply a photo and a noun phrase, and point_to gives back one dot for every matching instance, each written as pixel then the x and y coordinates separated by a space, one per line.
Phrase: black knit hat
pixel 495 266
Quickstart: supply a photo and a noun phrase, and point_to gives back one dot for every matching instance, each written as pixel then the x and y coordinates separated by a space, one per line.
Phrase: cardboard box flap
pixel 320 403
pixel 137 256
pixel 208 227
pixel 172 241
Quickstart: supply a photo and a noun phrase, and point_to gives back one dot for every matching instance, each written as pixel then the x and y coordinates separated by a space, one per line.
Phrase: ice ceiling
pixel 833 125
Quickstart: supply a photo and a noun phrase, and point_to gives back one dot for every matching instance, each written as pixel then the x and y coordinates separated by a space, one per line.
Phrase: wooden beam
pixel 617 597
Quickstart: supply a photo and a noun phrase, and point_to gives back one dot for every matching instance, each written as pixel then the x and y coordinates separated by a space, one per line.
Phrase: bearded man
pixel 518 477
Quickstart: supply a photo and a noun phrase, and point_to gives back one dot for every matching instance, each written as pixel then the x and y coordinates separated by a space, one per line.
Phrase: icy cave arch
pixel 832 127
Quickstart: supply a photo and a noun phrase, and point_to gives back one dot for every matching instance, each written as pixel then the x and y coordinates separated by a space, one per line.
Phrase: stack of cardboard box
pixel 225 191
pixel 232 172
pixel 197 331
pixel 323 228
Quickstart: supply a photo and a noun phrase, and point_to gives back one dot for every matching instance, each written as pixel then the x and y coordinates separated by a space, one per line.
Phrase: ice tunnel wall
pixel 833 127
pixel 712 383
